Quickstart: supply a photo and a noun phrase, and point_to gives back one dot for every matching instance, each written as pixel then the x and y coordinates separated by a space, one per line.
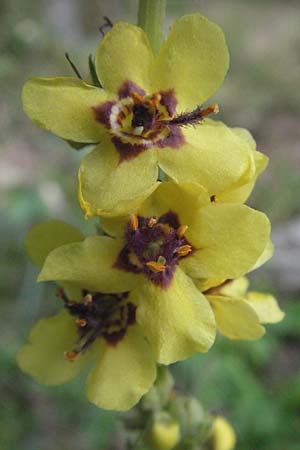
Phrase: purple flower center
pixel 154 247
pixel 99 315
pixel 137 121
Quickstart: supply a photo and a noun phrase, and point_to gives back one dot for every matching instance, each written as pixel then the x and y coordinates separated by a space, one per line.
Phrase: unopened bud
pixel 164 433
pixel 223 434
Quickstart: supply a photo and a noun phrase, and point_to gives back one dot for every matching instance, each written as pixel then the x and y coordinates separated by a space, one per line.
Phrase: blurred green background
pixel 256 385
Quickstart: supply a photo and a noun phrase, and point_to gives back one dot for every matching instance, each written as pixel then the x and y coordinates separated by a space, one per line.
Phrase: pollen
pixel 211 109
pixel 184 250
pixel 156 266
pixel 70 356
pixel 137 97
pixel 155 100
pixel 81 322
pixel 181 230
pixel 134 222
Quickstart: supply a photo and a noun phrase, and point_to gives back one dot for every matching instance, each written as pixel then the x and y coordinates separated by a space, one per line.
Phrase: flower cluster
pixel 167 269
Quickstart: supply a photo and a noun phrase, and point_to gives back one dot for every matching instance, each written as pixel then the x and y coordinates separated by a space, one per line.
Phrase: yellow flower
pixel 239 313
pixel 97 328
pixel 223 434
pixel 176 235
pixel 139 120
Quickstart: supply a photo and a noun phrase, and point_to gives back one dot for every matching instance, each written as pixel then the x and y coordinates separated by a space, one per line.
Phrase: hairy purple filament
pixel 137 121
pixel 99 315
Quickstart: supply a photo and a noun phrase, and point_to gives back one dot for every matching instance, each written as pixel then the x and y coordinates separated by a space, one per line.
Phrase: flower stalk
pixel 151 18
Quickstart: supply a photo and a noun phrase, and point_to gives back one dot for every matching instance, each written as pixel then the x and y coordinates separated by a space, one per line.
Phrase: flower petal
pixel 109 187
pixel 212 156
pixel 123 373
pixel 240 192
pixel 64 107
pixel 177 321
pixel 244 134
pixel 235 288
pixel 124 54
pixel 265 306
pixel 46 236
pixel 235 318
pixel 89 265
pixel 114 226
pixel 265 256
pixel 228 239
pixel 43 358
pixel 183 199
pixel 193 60
pixel 207 283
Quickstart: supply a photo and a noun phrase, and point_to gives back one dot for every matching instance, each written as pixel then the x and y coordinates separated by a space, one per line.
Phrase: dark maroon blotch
pixel 169 101
pixel 127 88
pixel 102 112
pixel 148 244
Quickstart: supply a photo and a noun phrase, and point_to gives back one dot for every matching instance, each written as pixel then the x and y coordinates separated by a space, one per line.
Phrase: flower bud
pixel 164 433
pixel 223 434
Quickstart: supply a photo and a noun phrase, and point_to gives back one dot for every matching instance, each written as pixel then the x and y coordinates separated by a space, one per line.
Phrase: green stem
pixel 151 18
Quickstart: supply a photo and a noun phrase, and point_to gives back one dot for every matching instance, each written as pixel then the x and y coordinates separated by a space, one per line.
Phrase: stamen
pixel 136 96
pixel 70 356
pixel 81 322
pixel 194 116
pixel 152 222
pixel 155 100
pixel 181 230
pixel 184 250
pixel 134 221
pixel 156 266
pixel 211 109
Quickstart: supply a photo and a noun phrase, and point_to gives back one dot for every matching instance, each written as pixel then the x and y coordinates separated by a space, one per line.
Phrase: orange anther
pixel 70 356
pixel 155 100
pixel 211 109
pixel 81 322
pixel 184 250
pixel 181 230
pixel 134 221
pixel 152 222
pixel 136 96
pixel 155 266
